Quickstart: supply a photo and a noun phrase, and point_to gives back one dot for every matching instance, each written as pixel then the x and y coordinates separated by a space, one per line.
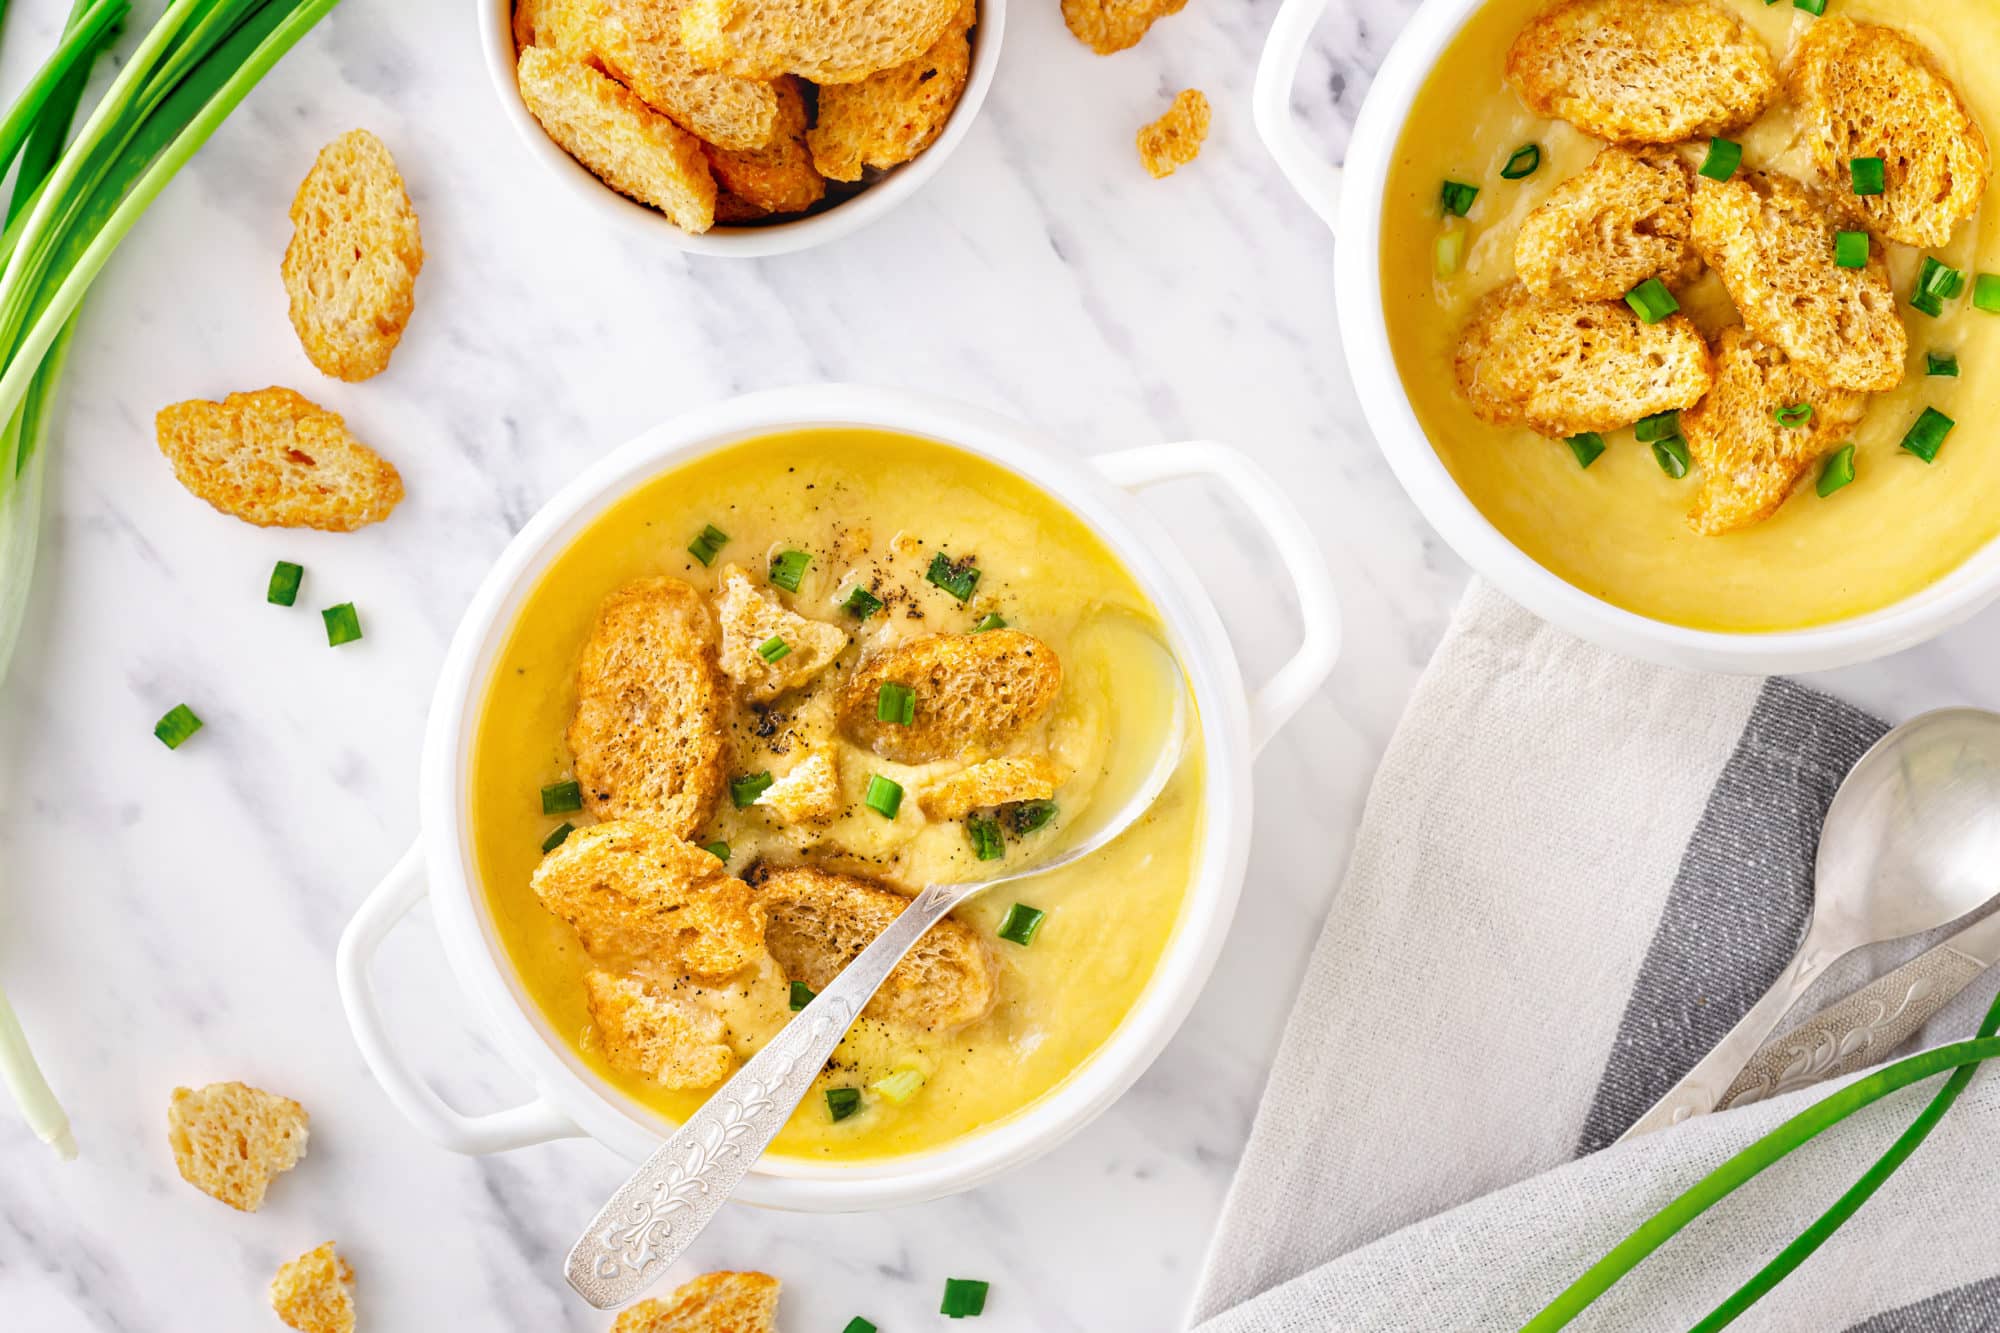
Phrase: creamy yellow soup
pixel 1618 530
pixel 865 502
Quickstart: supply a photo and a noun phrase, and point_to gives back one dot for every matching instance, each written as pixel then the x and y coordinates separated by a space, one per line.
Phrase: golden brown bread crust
pixel 1623 219
pixel 1643 71
pixel 975 694
pixel 1109 26
pixel 894 114
pixel 314 1293
pixel 230 1140
pixel 639 43
pixel 1771 241
pixel 819 922
pixel 644 1029
pixel 751 617
pixel 650 734
pixel 988 783
pixel 1749 460
pixel 712 1303
pixel 1563 367
pixel 351 268
pixel 1174 140
pixel 639 897
pixel 827 41
pixel 778 177
pixel 276 459
pixel 1863 90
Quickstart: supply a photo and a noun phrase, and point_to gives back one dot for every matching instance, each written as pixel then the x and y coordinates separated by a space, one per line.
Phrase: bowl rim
pixel 479 963
pixel 1385 404
pixel 642 222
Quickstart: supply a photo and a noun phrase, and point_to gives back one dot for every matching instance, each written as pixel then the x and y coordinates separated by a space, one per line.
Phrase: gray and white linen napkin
pixel 1574 874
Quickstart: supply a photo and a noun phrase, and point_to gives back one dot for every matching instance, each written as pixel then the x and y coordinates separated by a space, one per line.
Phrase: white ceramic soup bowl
pixel 569 1099
pixel 1349 200
pixel 495 19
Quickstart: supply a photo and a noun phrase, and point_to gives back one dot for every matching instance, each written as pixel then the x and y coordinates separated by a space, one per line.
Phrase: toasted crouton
pixel 808 794
pixel 732 211
pixel 1623 219
pixel 975 693
pixel 231 1140
pixel 646 1030
pixel 632 148
pixel 1771 240
pixel 649 737
pixel 819 922
pixel 639 44
pixel 989 783
pixel 1108 26
pixel 351 268
pixel 1643 71
pixel 1172 141
pixel 1748 458
pixel 712 1303
pixel 276 459
pixel 559 25
pixel 894 114
pixel 780 176
pixel 1863 90
pixel 752 617
pixel 314 1293
pixel 1563 367
pixel 636 894
pixel 827 41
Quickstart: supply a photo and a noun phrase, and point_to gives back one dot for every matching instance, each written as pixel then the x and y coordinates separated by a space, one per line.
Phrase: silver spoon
pixel 1911 843
pixel 657 1213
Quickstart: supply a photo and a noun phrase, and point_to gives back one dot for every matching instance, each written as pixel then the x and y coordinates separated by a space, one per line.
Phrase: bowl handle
pixel 1285 693
pixel 1271 107
pixel 518 1127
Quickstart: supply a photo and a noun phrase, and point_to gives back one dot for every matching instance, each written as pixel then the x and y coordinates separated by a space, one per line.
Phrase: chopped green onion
pixel 1941 363
pixel 284 586
pixel 988 842
pixel 1793 417
pixel 1851 249
pixel 962 1297
pixel 788 569
pixel 1657 427
pixel 957 579
pixel 801 995
pixel 1450 253
pixel 1927 436
pixel 884 797
pixel 862 603
pixel 708 544
pixel 1526 160
pixel 1838 471
pixel 991 620
pixel 859 1325
pixel 895 704
pixel 1457 197
pixel 1724 157
pixel 179 724
pixel 1936 283
pixel 1870 176
pixel 1986 293
pixel 900 1086
pixel 558 837
pixel 1672 456
pixel 1020 925
pixel 343 624
pixel 1651 301
pixel 1813 7
pixel 717 849
pixel 842 1103
pixel 1027 816
pixel 774 649
pixel 1587 447
pixel 559 798
pixel 745 790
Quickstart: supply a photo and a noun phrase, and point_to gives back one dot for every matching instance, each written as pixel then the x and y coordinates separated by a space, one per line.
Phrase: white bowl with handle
pixel 565 1097
pixel 1349 199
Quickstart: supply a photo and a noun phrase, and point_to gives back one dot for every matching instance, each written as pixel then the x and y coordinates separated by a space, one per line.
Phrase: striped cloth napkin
pixel 1574 874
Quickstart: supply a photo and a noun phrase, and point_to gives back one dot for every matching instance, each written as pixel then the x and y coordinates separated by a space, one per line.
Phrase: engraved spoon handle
pixel 657 1214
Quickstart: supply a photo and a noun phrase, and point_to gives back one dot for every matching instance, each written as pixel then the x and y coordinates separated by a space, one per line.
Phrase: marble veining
pixel 171 917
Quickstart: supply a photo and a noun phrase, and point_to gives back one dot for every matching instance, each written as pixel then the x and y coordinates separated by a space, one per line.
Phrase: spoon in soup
pixel 657 1213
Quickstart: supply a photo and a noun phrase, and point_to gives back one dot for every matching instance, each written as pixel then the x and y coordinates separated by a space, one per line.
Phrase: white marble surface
pixel 171 917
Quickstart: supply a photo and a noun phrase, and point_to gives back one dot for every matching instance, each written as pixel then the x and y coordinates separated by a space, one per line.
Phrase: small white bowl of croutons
pixel 741 127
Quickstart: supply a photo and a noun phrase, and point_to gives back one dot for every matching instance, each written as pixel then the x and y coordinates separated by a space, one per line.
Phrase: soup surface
pixel 871 505
pixel 1618 530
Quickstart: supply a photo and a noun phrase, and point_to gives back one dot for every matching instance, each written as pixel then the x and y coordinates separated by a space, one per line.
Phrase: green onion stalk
pixel 74 200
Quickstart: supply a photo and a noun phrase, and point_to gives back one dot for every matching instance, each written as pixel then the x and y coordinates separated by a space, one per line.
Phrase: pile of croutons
pixel 1589 336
